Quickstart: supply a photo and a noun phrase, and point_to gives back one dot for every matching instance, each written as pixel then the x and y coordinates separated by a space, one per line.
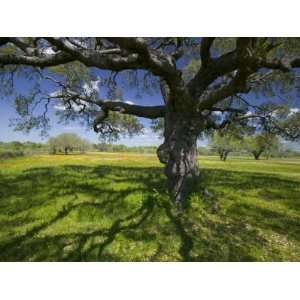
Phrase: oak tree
pixel 196 77
pixel 224 144
pixel 67 142
pixel 261 143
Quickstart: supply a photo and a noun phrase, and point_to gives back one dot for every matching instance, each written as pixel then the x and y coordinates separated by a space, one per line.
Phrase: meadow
pixel 114 207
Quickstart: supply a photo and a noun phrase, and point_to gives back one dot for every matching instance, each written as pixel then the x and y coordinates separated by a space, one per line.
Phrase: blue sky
pixel 7 132
pixel 7 112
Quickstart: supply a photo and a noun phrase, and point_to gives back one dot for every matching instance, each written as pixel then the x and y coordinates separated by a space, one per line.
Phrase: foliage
pixel 229 139
pixel 291 124
pixel 77 86
pixel 157 126
pixel 16 148
pixel 10 154
pixel 223 144
pixel 260 143
pixel 117 125
pixel 67 142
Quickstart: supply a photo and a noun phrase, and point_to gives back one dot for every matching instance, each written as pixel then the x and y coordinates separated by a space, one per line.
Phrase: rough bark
pixel 179 154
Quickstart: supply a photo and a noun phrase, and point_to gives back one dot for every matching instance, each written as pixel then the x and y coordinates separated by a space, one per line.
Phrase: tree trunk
pixel 220 154
pixel 257 154
pixel 179 154
pixel 225 154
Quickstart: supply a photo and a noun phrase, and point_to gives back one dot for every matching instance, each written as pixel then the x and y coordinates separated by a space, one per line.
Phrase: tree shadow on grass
pixel 114 213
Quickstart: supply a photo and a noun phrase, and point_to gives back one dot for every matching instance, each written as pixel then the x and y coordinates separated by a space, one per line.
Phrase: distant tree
pixel 52 145
pixel 205 150
pixel 224 144
pixel 288 153
pixel 83 145
pixel 67 142
pixel 16 146
pixel 261 143
pixel 230 138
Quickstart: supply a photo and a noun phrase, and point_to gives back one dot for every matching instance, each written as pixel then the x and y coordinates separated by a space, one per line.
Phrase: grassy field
pixel 114 207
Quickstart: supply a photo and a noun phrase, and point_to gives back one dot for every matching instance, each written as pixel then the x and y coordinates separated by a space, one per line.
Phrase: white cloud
pixel 59 107
pixel 274 114
pixel 147 131
pixel 249 113
pixel 293 111
pixel 93 86
pixel 76 107
pixel 88 89
pixel 217 113
pixel 48 51
pixel 129 102
pixel 55 93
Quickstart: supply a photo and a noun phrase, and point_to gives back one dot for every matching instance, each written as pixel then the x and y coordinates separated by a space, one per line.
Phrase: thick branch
pixel 218 67
pixel 281 64
pixel 295 63
pixel 179 51
pixel 117 55
pixel 205 46
pixel 237 85
pixel 102 59
pixel 136 45
pixel 150 112
pixel 241 57
pixel 36 61
pixel 22 45
pixel 159 63
pixel 3 41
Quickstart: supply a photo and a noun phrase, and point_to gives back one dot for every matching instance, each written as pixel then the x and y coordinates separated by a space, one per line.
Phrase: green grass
pixel 114 207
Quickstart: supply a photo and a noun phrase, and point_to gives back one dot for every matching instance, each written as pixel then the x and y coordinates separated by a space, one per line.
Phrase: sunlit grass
pixel 114 207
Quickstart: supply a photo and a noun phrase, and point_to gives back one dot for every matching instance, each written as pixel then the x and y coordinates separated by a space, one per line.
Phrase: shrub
pixel 11 154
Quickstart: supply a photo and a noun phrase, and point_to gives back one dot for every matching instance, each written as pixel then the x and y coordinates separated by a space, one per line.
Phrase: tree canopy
pixel 67 142
pixel 261 143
